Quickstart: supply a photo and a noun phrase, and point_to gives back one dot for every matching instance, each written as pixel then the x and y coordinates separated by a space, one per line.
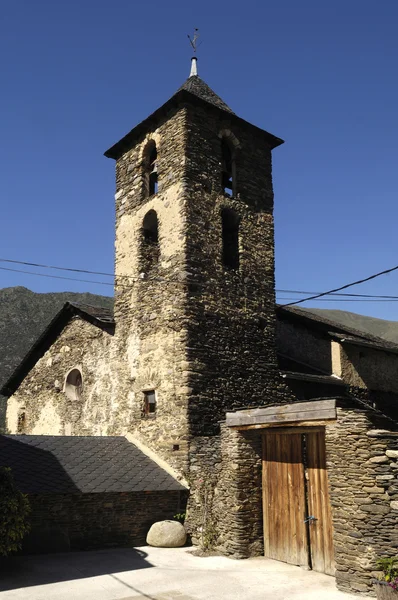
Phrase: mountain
pixel 23 317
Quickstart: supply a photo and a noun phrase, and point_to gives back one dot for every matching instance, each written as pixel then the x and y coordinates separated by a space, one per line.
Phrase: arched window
pixel 150 240
pixel 230 239
pixel 228 167
pixel 151 168
pixel 74 385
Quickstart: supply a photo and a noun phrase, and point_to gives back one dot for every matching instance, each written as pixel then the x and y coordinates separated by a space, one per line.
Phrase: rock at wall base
pixel 166 534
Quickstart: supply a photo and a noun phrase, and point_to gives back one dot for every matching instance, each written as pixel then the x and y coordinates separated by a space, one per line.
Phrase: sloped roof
pixel 96 315
pixel 99 314
pixel 44 464
pixel 193 90
pixel 195 85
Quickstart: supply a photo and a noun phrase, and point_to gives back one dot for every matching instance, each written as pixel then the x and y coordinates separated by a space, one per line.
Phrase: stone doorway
pixel 296 507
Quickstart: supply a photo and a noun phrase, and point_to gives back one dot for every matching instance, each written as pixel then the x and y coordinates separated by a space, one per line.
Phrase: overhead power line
pixel 313 295
pixel 337 294
pixel 55 276
pixel 343 287
pixel 56 268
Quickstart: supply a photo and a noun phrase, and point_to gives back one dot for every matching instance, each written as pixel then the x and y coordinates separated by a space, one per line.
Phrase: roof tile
pixel 77 464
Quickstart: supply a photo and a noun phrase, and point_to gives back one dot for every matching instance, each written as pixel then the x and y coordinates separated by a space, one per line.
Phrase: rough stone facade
pixel 62 522
pixel 362 470
pixel 198 334
pixel 40 405
pixel 362 453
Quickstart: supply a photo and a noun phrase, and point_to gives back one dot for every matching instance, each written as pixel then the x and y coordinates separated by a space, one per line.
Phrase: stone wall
pixel 301 343
pixel 231 317
pixel 362 471
pixel 149 303
pixel 371 369
pixel 65 522
pixel 201 336
pixel 41 397
pixel 362 468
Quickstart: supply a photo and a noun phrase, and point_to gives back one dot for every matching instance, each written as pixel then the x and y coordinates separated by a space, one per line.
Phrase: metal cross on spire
pixel 193 41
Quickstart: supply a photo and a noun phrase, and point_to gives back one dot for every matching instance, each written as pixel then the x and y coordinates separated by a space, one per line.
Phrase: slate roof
pixel 45 464
pixel 195 85
pixel 193 90
pixel 99 314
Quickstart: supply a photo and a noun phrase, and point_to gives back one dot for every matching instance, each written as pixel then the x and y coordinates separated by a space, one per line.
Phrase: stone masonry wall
pixel 366 368
pixel 300 343
pixel 81 522
pixel 362 463
pixel 231 313
pixel 362 468
pixel 231 347
pixel 201 337
pixel 149 302
pixel 42 399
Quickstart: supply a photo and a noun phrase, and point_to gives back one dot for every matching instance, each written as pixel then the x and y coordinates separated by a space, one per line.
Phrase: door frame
pixel 310 483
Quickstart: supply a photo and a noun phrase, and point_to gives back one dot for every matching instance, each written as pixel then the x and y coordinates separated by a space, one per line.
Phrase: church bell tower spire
pixel 194 59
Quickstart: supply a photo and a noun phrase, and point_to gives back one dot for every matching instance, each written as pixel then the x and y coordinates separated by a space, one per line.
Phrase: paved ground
pixel 158 574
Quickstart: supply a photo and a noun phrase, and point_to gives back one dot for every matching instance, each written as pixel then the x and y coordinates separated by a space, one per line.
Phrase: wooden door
pixel 295 487
pixel 320 530
pixel 284 509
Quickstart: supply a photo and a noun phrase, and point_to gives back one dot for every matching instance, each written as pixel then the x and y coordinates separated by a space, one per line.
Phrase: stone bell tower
pixel 194 295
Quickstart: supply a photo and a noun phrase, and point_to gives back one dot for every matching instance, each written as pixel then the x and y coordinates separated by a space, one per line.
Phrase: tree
pixel 14 511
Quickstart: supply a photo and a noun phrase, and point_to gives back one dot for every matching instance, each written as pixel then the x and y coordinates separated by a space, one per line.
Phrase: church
pixel 279 426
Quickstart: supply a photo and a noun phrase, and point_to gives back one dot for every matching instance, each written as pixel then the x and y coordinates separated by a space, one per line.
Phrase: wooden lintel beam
pixel 297 427
pixel 299 411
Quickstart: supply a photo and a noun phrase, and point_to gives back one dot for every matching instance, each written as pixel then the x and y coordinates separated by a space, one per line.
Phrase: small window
pixel 230 239
pixel 228 168
pixel 74 385
pixel 21 421
pixel 149 402
pixel 151 168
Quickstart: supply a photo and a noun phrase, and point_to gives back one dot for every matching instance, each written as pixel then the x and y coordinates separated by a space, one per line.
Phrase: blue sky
pixel 77 75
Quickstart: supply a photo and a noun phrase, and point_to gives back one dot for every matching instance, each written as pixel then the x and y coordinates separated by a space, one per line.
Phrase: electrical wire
pixel 343 287
pixel 292 301
pixel 88 272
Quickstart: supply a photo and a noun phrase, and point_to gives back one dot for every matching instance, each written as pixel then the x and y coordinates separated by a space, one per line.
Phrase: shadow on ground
pixel 25 571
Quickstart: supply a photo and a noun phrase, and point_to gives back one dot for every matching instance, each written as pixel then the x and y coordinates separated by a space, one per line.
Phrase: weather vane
pixel 194 39
pixel 194 43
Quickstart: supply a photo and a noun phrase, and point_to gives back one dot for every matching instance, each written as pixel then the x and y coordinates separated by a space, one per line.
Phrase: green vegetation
pixel 14 511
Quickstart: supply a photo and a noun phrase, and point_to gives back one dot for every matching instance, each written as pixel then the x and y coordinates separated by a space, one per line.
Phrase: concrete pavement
pixel 159 574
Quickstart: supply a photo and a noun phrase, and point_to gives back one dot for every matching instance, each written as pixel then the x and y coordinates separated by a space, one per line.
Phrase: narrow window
pixel 150 240
pixel 74 385
pixel 228 168
pixel 151 168
pixel 21 420
pixel 149 402
pixel 230 239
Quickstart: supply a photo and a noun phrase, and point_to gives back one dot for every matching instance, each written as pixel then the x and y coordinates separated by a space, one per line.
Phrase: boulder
pixel 166 534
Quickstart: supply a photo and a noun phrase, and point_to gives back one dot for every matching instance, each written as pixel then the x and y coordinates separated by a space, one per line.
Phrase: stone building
pixel 283 423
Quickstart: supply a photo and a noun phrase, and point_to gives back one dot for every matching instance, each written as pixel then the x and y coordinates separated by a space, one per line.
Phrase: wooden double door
pixel 296 507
